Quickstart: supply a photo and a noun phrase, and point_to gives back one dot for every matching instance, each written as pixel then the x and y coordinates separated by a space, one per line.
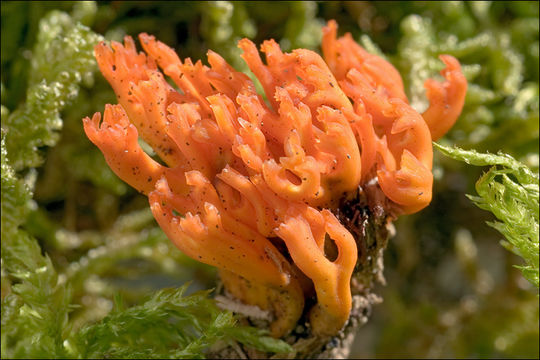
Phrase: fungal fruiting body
pixel 255 183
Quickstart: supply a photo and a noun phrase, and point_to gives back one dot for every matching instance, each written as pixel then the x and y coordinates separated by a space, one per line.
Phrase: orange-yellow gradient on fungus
pixel 244 179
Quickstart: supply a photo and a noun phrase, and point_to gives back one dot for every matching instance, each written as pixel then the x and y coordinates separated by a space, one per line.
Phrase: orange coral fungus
pixel 250 179
pixel 402 136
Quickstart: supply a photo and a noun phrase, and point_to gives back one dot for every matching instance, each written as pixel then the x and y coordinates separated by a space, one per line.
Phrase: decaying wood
pixel 367 218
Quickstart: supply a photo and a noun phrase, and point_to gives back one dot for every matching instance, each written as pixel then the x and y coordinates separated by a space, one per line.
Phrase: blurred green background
pixel 451 291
